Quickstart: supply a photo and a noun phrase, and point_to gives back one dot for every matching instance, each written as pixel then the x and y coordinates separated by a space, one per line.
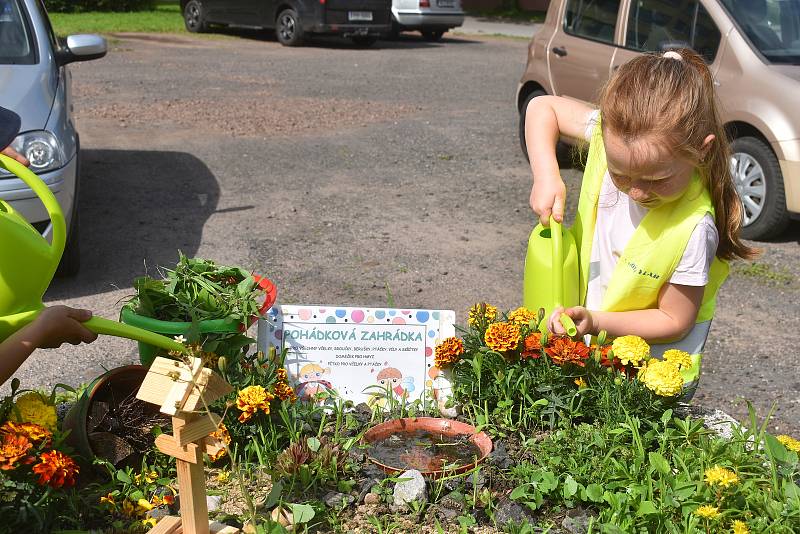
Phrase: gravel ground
pixel 350 177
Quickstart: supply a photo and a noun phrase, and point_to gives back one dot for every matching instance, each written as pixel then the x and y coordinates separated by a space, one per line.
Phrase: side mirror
pixel 82 47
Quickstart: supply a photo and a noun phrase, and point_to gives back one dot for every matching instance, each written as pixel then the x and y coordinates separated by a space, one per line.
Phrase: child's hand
pixel 11 153
pixel 584 322
pixel 61 324
pixel 547 198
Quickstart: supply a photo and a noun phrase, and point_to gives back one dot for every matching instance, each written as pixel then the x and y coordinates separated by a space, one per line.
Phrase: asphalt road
pixel 349 177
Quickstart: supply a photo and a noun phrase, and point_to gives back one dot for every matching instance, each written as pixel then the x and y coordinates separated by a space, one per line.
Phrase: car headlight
pixel 42 148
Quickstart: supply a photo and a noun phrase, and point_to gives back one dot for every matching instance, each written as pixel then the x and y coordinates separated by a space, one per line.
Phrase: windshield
pixel 16 41
pixel 773 26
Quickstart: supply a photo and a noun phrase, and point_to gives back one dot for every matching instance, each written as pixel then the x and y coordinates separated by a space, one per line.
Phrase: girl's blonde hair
pixel 672 101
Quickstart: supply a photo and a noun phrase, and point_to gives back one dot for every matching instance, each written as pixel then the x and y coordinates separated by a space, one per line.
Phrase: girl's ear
pixel 707 142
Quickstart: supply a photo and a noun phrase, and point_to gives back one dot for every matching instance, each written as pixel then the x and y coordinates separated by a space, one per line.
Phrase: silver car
pixel 432 18
pixel 35 83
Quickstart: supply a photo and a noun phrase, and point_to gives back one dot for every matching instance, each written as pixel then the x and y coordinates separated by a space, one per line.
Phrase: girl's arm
pixel 546 119
pixel 673 319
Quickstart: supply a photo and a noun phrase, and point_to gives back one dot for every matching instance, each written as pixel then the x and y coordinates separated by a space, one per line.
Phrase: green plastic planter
pixel 147 353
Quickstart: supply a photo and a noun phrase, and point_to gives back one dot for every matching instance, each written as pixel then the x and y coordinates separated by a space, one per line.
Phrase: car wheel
pixel 364 40
pixel 758 180
pixel 288 30
pixel 394 32
pixel 70 262
pixel 194 18
pixel 564 152
pixel 432 36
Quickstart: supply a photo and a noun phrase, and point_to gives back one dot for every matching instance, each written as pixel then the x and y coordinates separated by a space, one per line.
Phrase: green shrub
pixel 77 6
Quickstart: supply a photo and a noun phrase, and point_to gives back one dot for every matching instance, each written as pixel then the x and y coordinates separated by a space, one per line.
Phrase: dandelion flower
pixel 522 316
pixel 631 350
pixel 448 352
pixel 679 357
pixel 707 511
pixel 740 527
pixel 56 469
pixel 789 442
pixel 250 400
pixel 663 378
pixel 719 476
pixel 481 311
pixel 34 408
pixel 502 336
pixel 563 350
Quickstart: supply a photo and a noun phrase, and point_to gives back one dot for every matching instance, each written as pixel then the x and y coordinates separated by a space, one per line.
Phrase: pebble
pixel 412 489
pixel 372 498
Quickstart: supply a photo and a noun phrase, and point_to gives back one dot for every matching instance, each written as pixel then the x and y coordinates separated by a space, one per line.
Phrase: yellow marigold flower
pixel 719 476
pixel 143 506
pixel 740 527
pixel 223 437
pixel 522 316
pixel 631 350
pixel 502 336
pixel 707 511
pixel 679 357
pixel 789 442
pixel 34 408
pixel 581 383
pixel 35 433
pixel 448 352
pixel 661 377
pixel 251 399
pixel 479 311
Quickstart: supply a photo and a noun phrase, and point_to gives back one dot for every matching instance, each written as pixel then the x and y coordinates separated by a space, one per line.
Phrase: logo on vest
pixel 639 270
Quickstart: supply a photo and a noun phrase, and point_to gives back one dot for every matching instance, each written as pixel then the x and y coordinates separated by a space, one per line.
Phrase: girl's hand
pixel 584 322
pixel 547 198
pixel 11 153
pixel 62 324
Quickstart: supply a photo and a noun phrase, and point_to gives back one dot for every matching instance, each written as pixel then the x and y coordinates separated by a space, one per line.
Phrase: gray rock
pixel 453 501
pixel 715 420
pixel 334 499
pixel 372 498
pixel 213 502
pixel 576 521
pixel 508 510
pixel 411 489
pixel 499 456
pixel 158 513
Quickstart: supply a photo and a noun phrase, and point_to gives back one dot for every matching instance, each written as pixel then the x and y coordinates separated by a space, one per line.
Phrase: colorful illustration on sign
pixel 357 351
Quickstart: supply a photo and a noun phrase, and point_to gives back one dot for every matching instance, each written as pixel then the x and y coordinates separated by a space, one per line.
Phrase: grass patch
pixel 165 18
pixel 764 272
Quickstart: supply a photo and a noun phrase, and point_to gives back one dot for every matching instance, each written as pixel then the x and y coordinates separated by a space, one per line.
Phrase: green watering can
pixel 28 263
pixel 551 272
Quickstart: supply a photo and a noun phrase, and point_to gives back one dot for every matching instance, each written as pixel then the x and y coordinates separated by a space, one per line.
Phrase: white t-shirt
pixel 617 219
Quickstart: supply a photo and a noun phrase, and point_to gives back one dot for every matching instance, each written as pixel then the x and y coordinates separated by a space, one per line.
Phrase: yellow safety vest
pixel 654 250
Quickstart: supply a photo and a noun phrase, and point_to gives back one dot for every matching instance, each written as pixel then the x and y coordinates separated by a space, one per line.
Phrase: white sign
pixel 360 353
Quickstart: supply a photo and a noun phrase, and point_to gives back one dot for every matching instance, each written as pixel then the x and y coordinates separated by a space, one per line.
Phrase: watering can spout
pixel 551 272
pixel 26 272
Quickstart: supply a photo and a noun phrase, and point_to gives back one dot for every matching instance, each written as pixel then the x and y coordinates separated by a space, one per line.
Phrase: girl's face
pixel 647 171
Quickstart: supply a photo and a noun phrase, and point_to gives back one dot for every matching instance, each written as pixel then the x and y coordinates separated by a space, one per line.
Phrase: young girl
pixel 658 214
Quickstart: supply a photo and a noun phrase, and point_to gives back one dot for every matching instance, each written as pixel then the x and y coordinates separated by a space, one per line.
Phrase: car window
pixel 772 26
pixel 593 19
pixel 654 25
pixel 51 35
pixel 16 40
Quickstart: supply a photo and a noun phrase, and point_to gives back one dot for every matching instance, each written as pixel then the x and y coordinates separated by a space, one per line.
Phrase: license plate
pixel 446 3
pixel 359 15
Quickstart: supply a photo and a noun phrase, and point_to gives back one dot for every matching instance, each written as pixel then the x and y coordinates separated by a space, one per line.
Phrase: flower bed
pixel 587 438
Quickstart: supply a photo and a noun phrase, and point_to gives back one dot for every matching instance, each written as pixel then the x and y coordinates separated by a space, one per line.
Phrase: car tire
pixel 432 35
pixel 288 28
pixel 70 262
pixel 758 180
pixel 364 41
pixel 564 152
pixel 194 17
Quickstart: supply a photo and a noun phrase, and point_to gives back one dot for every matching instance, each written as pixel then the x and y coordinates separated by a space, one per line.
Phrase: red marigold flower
pixel 35 433
pixel 15 449
pixel 605 361
pixel 563 350
pixel 448 352
pixel 533 346
pixel 56 469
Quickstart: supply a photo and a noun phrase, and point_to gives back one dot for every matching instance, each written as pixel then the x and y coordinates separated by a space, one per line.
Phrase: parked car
pixel 363 21
pixel 752 48
pixel 432 18
pixel 35 83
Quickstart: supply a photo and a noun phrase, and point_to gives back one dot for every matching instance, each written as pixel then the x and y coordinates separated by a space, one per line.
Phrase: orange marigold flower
pixel 221 435
pixel 251 399
pixel 15 449
pixel 480 312
pixel 522 316
pixel 448 352
pixel 563 350
pixel 35 433
pixel 502 336
pixel 56 469
pixel 282 389
pixel 168 499
pixel 533 346
pixel 604 359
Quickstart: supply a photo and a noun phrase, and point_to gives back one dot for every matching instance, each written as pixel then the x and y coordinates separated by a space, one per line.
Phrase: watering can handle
pixel 558 275
pixel 48 199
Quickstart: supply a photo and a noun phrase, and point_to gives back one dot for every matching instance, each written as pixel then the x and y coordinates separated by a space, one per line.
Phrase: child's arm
pixel 546 119
pixel 673 319
pixel 54 326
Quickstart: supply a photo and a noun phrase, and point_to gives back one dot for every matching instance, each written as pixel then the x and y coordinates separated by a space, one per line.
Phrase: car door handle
pixel 560 51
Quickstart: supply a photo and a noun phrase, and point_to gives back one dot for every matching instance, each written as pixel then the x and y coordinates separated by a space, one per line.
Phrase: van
pixel 752 48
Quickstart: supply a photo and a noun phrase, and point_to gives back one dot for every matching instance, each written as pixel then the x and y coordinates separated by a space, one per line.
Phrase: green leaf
pixel 122 476
pixel 775 448
pixel 594 492
pixel 314 444
pixel 659 463
pixel 570 487
pixel 646 508
pixel 274 495
pixel 301 513
pixel 520 492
